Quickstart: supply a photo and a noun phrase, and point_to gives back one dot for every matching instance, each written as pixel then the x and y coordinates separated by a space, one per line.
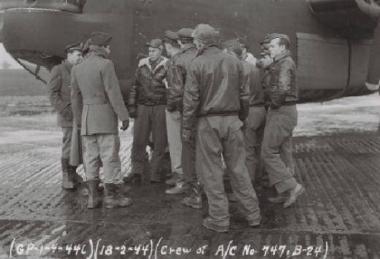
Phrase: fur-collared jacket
pixel 150 85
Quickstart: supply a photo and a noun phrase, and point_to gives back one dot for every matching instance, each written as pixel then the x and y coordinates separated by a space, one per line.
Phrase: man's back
pixel 89 76
pixel 220 78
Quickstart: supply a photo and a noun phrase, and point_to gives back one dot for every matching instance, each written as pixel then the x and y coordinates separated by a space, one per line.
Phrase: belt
pixel 226 113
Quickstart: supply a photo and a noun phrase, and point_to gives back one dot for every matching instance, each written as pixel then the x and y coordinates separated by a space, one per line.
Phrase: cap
pixel 170 35
pixel 269 37
pixel 73 46
pixel 233 45
pixel 185 33
pixel 155 43
pixel 206 34
pixel 266 39
pixel 100 39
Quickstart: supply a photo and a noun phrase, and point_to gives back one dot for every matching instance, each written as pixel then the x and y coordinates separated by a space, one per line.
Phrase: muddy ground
pixel 337 155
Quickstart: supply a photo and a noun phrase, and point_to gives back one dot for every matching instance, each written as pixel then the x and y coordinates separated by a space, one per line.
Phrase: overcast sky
pixel 4 56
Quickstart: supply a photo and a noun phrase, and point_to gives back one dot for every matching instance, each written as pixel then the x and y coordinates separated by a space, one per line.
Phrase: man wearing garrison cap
pixel 215 103
pixel 185 179
pixel 282 93
pixel 95 87
pixel 147 104
pixel 59 94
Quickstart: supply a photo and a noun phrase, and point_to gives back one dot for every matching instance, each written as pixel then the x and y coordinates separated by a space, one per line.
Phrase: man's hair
pixel 284 42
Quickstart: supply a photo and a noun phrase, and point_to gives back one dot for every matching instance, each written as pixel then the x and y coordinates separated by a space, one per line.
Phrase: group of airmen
pixel 216 109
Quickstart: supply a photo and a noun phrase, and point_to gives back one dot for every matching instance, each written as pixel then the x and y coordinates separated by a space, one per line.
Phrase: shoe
pixel 115 196
pixel 194 201
pixel 255 221
pixel 77 179
pixel 173 180
pixel 67 182
pixel 133 178
pixel 209 224
pixel 93 200
pixel 297 191
pixel 74 176
pixel 278 199
pixel 179 188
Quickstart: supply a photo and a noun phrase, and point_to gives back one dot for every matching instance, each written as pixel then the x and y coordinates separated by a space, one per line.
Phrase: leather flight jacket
pixel 150 85
pixel 280 81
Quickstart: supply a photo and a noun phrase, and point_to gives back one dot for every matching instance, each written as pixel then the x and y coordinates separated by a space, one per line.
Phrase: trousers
pixel 173 125
pixel 254 133
pixel 277 147
pixel 219 136
pixel 106 147
pixel 66 142
pixel 150 120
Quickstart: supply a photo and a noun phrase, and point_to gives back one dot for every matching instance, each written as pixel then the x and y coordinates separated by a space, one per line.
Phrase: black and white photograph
pixel 164 129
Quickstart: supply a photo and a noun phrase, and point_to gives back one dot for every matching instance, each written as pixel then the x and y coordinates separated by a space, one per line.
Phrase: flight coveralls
pixel 148 98
pixel 95 87
pixel 255 123
pixel 176 79
pixel 216 102
pixel 60 98
pixel 281 120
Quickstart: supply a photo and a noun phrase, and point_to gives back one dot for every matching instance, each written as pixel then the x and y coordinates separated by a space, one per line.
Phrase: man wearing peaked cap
pixel 171 36
pixel 185 33
pixel 98 105
pixel 59 95
pixel 100 39
pixel 170 43
pixel 73 47
pixel 147 103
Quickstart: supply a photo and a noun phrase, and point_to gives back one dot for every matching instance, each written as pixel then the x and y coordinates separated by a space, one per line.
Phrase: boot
pixel 194 200
pixel 115 197
pixel 67 182
pixel 94 200
pixel 75 177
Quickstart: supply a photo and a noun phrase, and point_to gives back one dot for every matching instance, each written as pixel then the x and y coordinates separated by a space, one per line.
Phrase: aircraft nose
pixel 370 7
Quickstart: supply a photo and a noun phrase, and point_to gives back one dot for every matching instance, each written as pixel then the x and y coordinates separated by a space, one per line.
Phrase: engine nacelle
pixel 355 19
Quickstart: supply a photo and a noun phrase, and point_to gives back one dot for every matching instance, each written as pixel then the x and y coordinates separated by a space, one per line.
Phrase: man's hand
pixel 132 112
pixel 187 136
pixel 67 113
pixel 125 125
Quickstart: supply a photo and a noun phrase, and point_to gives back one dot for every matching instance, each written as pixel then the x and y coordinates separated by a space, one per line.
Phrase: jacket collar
pixel 213 48
pixel 145 62
pixel 66 64
pixel 284 54
pixel 187 47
